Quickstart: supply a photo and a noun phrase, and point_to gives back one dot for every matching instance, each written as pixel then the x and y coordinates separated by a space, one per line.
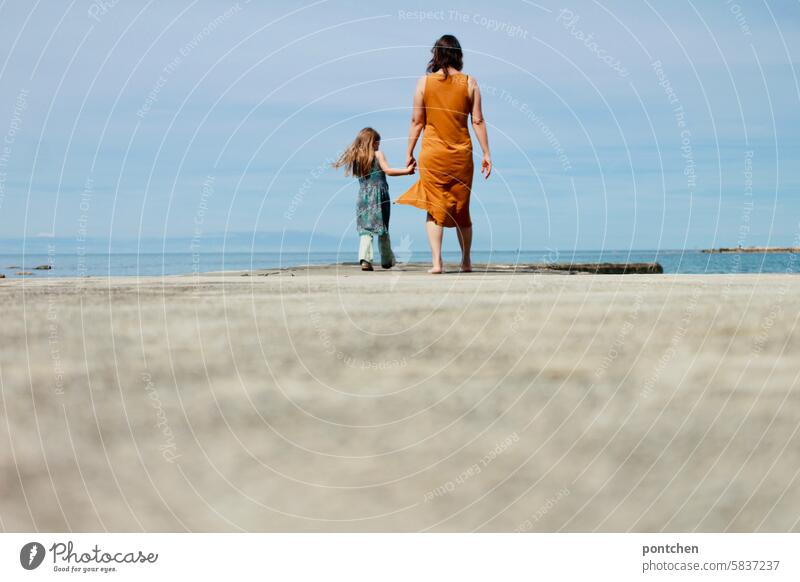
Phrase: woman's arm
pixel 417 120
pixel 479 126
pixel 389 171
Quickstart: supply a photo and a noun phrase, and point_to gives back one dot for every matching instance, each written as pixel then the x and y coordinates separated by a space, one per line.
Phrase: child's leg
pixel 365 248
pixel 387 255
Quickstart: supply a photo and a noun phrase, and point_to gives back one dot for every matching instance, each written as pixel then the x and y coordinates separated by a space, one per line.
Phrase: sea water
pixel 177 263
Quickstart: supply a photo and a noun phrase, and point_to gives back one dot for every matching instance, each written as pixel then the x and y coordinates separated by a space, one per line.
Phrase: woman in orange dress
pixel 444 101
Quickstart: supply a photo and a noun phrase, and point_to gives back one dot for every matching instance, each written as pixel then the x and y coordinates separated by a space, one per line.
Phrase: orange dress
pixel 445 160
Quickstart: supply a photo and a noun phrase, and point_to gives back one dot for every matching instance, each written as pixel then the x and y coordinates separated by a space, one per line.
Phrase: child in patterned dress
pixel 364 160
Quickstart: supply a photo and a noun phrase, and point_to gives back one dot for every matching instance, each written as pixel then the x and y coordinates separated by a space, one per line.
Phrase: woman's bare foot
pixel 466 268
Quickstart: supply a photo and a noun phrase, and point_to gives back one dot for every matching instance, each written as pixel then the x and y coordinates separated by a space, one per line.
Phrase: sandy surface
pixel 331 400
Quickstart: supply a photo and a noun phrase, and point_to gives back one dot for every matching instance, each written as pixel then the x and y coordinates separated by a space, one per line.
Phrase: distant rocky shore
pixel 594 268
pixel 753 250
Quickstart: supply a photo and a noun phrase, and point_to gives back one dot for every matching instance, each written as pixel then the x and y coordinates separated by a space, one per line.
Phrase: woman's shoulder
pixel 458 78
pixel 440 75
pixel 471 84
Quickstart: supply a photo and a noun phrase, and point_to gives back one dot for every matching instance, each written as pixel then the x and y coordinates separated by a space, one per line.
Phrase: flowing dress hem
pixel 411 198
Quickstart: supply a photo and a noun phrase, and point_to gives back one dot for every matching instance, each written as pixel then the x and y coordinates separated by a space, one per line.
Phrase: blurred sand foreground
pixel 326 399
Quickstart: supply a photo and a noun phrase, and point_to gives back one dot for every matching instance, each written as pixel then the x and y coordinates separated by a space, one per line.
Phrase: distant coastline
pixel 113 264
pixel 753 250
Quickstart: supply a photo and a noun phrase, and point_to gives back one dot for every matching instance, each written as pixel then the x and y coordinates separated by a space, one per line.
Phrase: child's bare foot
pixel 436 270
pixel 366 266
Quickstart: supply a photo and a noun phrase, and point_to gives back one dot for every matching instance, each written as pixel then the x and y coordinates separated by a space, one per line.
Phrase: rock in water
pixel 604 268
pixel 782 250
pixel 43 267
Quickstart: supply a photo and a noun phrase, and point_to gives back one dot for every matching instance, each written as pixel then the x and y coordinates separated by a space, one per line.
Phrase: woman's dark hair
pixel 446 53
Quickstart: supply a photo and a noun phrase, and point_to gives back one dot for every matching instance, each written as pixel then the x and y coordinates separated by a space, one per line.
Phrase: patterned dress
pixel 373 205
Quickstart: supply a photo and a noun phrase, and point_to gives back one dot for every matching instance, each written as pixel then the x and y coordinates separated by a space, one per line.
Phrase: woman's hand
pixel 410 161
pixel 410 169
pixel 486 166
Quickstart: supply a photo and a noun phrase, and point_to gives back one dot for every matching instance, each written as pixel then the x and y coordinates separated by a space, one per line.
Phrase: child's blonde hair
pixel 359 156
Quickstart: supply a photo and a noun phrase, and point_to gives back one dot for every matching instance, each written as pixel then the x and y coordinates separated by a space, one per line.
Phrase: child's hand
pixel 410 168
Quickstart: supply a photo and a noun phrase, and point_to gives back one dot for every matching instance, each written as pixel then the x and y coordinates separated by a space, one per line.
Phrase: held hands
pixel 486 166
pixel 411 165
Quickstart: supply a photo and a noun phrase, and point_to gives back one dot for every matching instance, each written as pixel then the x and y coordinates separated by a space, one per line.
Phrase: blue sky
pixel 180 119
